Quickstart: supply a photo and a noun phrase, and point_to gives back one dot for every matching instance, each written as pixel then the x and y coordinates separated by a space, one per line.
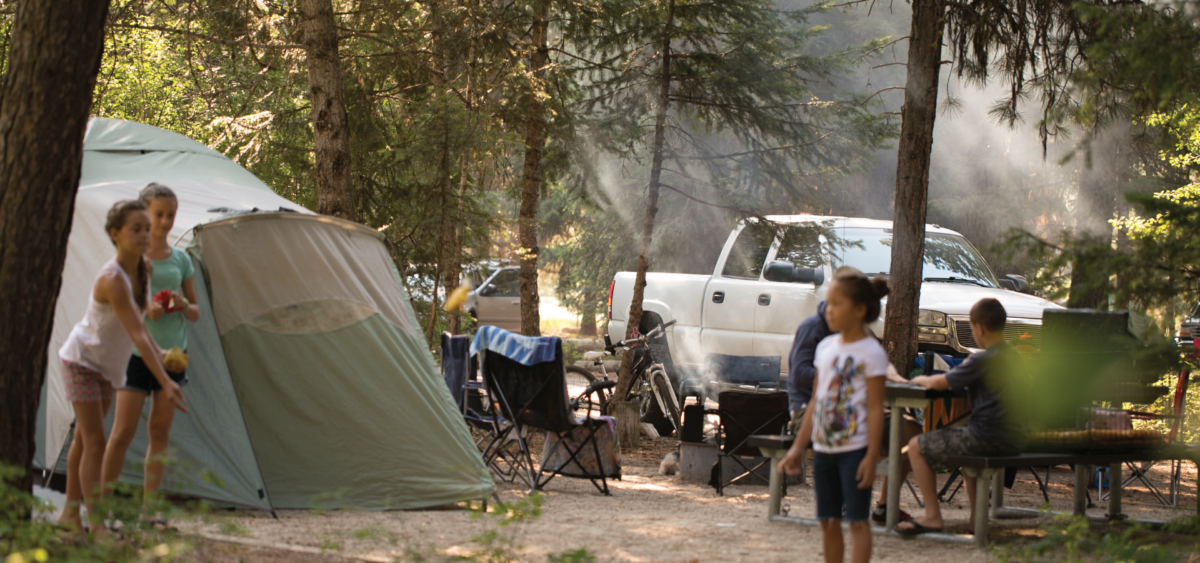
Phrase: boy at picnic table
pixel 990 432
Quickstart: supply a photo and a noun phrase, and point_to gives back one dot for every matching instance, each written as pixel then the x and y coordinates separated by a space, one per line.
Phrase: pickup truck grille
pixel 1017 334
pixel 965 336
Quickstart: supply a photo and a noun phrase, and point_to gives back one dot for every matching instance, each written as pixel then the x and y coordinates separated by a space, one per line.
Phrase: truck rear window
pixel 749 251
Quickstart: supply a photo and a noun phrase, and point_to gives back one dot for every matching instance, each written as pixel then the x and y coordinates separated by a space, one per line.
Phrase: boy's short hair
pixel 989 313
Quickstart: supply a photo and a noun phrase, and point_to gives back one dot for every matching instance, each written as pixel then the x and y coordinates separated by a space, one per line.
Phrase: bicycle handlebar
pixel 654 333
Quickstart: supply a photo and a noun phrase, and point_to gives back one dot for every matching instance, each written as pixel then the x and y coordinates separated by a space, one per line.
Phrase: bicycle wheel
pixel 666 395
pixel 577 380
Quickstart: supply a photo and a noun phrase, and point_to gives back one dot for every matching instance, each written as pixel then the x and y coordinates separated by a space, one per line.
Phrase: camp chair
pixel 743 414
pixel 526 382
pixel 460 371
pixel 1138 472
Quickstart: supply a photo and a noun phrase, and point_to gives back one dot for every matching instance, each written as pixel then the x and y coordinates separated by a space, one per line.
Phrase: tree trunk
pixel 331 125
pixel 625 375
pixel 54 55
pixel 587 319
pixel 531 181
pixel 912 180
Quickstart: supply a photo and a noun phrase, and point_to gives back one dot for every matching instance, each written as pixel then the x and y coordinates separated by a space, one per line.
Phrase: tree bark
pixel 54 56
pixel 587 320
pixel 625 375
pixel 531 181
pixel 331 125
pixel 912 180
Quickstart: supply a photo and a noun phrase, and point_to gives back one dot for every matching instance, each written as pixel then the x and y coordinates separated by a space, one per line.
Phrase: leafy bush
pixel 27 535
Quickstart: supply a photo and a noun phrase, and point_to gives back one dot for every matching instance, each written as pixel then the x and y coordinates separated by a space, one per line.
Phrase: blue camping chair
pixel 461 373
pixel 525 380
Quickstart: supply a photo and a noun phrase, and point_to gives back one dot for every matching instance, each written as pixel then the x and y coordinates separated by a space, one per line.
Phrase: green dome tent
pixel 310 383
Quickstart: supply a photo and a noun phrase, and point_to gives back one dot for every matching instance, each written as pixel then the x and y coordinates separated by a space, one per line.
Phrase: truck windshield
pixel 947 257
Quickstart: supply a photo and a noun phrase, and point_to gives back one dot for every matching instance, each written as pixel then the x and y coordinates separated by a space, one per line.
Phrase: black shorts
pixel 138 377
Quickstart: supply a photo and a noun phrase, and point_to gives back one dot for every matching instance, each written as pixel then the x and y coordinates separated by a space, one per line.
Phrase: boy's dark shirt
pixel 801 372
pixel 986 376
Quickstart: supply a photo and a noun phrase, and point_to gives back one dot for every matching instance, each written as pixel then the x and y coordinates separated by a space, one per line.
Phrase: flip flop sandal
pixel 916 529
pixel 879 514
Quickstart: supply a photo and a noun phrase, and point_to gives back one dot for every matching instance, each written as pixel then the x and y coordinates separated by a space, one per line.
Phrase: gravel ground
pixel 648 518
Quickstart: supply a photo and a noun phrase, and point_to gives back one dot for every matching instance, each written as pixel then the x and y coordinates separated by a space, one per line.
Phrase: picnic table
pixel 898 396
pixel 987 470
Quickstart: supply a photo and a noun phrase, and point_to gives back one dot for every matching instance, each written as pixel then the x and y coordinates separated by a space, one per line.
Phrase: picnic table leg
pixel 1080 489
pixel 1114 490
pixel 775 484
pixel 981 503
pixel 893 492
pixel 997 493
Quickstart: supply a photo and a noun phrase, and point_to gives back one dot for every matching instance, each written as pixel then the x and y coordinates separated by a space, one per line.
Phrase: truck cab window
pixel 748 253
pixel 801 245
pixel 508 283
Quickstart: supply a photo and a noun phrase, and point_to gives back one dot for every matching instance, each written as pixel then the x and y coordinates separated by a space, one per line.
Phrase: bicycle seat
pixel 595 355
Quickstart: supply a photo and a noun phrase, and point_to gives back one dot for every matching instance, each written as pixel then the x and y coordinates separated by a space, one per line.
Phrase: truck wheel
pixel 653 415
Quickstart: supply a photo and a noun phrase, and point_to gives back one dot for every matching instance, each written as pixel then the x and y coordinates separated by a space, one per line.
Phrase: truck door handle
pixel 718 297
pixel 764 299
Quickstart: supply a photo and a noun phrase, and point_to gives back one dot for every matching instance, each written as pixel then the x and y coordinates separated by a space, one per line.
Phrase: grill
pixel 1014 333
pixel 966 337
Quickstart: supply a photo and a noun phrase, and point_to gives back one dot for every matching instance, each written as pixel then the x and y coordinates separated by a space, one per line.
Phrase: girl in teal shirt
pixel 172 271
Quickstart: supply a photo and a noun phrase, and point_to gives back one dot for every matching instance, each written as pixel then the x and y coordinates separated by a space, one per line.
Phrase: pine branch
pixel 192 34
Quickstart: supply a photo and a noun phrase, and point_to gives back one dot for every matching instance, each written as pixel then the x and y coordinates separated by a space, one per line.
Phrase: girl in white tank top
pixel 97 351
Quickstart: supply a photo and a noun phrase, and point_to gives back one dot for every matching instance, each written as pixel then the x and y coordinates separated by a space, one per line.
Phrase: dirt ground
pixel 649 517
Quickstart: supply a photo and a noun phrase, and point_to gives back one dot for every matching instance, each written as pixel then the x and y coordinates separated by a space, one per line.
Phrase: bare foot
pixel 70 520
pixel 99 532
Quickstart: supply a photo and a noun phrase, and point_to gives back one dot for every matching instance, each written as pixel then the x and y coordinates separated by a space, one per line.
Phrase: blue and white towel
pixel 527 350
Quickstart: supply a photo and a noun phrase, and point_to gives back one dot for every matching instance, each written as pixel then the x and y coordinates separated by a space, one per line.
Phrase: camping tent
pixel 310 383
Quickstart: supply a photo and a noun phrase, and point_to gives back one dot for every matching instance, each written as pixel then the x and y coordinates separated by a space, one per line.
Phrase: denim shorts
pixel 838 495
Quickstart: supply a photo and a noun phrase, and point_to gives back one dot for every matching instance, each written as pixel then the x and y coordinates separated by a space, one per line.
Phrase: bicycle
pixel 652 386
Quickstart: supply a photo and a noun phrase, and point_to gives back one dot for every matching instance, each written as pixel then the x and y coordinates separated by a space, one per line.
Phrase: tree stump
pixel 629 428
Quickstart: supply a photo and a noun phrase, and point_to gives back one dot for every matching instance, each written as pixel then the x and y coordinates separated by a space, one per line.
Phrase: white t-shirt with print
pixel 840 399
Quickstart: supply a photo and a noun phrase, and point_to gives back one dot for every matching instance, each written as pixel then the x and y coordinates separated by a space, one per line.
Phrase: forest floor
pixel 649 517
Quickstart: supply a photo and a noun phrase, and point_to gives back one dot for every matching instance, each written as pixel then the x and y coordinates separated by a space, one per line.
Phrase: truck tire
pixel 653 415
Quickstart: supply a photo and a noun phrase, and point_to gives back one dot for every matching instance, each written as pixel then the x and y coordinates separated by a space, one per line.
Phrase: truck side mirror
pixel 1019 283
pixel 786 272
pixel 487 290
pixel 1008 284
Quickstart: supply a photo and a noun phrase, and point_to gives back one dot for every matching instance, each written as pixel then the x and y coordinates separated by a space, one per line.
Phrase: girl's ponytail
pixel 143 280
pixel 861 290
pixel 881 287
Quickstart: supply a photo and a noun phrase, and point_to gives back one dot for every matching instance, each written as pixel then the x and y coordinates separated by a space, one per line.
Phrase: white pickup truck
pixel 772 275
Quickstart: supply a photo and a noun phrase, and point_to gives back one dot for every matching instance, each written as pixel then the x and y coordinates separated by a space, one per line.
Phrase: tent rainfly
pixel 310 383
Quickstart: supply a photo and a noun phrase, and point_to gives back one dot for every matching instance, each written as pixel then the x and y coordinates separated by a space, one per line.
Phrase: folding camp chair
pixel 526 382
pixel 460 371
pixel 743 414
pixel 1139 471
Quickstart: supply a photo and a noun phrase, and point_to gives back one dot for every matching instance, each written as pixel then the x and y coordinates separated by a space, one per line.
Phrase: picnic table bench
pixel 988 469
